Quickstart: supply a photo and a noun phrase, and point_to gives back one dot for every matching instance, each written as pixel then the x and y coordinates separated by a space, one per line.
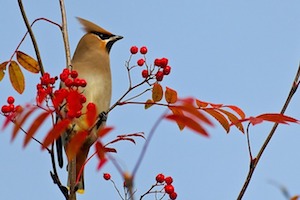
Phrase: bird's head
pixel 105 36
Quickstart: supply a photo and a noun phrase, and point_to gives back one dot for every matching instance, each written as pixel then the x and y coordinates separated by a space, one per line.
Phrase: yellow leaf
pixel 29 63
pixel 170 95
pixel 16 77
pixel 157 92
pixel 2 69
pixel 149 103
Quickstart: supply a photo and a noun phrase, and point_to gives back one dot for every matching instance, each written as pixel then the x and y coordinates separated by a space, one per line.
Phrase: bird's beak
pixel 116 37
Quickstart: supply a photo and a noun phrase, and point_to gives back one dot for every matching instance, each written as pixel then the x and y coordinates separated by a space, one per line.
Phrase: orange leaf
pixel 19 123
pixel 55 132
pixel 91 114
pixel 201 104
pixel 75 143
pixel 237 110
pixel 176 111
pixel 2 69
pixel 170 95
pixel 16 77
pixel 28 62
pixel 101 150
pixel 219 117
pixel 103 131
pixel 188 122
pixel 233 119
pixel 157 92
pixel 34 126
pixel 277 117
pixel 194 111
pixel 149 103
pixel 295 197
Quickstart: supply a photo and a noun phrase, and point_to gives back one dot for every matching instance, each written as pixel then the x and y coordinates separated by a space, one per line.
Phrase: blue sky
pixel 243 53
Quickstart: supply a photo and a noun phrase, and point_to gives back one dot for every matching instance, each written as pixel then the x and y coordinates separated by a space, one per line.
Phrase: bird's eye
pixel 102 36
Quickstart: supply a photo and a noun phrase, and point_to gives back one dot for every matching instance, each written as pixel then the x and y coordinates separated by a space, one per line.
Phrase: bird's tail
pixel 80 163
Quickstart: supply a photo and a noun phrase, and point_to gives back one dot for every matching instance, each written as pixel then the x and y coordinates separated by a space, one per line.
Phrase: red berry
pixel 173 195
pixel 82 98
pixel 169 180
pixel 143 50
pixel 160 178
pixel 167 70
pixel 63 76
pixel 18 108
pixel 134 49
pixel 78 114
pixel 141 62
pixel 69 82
pixel 5 109
pixel 159 76
pixel 164 62
pixel 52 81
pixel 157 62
pixel 106 176
pixel 82 83
pixel 169 189
pixel 66 71
pixel 10 100
pixel 74 74
pixel 91 106
pixel 145 73
pixel 71 114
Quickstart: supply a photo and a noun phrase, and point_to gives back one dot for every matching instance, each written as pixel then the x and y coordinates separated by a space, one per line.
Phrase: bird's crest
pixel 91 27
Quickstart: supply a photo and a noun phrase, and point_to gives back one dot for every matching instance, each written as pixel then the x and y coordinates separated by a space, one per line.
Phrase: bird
pixel 92 62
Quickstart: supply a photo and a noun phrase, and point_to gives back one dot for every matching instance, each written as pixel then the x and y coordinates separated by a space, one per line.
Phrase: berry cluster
pixel 45 87
pixel 159 69
pixel 168 187
pixel 70 78
pixel 71 95
pixel 72 98
pixel 10 107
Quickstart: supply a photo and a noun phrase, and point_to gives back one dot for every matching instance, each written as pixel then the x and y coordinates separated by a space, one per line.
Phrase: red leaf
pixel 101 150
pixel 201 104
pixel 189 122
pixel 35 125
pixel 255 120
pixel 55 132
pixel 103 131
pixel 195 112
pixel 219 117
pixel 75 143
pixel 177 111
pixel 19 123
pixel 277 117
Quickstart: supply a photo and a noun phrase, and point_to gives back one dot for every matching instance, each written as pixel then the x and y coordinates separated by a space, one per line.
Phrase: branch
pixel 265 144
pixel 64 31
pixel 36 49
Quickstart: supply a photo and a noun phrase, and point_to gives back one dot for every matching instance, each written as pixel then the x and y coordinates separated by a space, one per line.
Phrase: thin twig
pixel 142 155
pixel 269 137
pixel 64 31
pixel 36 49
pixel 248 142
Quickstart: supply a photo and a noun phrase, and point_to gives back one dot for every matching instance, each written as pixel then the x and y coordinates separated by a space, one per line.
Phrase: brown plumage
pixel 91 61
